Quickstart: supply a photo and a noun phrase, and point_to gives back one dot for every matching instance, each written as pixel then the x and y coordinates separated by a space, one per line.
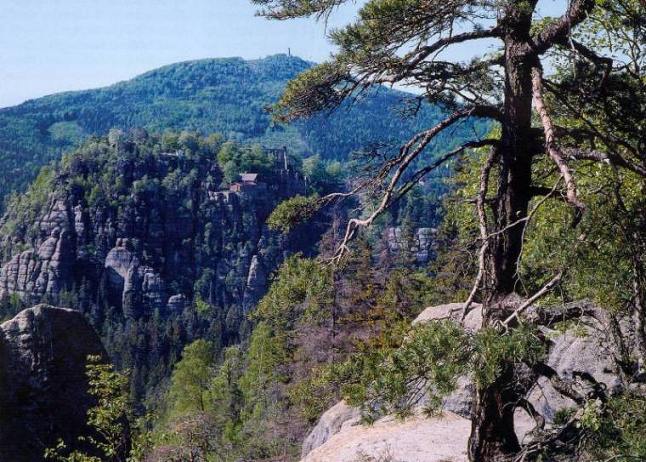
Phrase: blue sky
pixel 48 46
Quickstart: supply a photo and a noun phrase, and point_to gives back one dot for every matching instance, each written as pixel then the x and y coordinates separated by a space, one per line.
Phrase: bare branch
pixel 421 173
pixel 482 224
pixel 547 316
pixel 550 141
pixel 545 289
pixel 562 27
pixel 407 153
pixel 610 158
pixel 564 387
pixel 415 57
pixel 532 412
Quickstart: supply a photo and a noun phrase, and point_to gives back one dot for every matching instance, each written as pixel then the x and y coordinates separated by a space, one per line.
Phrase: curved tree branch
pixel 610 158
pixel 407 153
pixel 544 290
pixel 550 142
pixel 415 57
pixel 564 387
pixel 559 30
pixel 421 173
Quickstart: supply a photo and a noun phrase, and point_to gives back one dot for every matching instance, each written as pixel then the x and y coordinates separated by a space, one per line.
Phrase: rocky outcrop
pixel 148 245
pixel 176 303
pixel 584 348
pixel 43 386
pixel 331 423
pixel 132 237
pixel 453 312
pixel 39 272
pixel 416 439
pixel 419 244
pixel 579 349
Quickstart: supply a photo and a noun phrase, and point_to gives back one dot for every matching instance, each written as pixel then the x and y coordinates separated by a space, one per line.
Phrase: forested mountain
pixel 228 96
pixel 143 235
pixel 258 304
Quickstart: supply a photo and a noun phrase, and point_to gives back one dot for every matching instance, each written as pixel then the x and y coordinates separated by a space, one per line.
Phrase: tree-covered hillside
pixel 228 96
pixel 140 233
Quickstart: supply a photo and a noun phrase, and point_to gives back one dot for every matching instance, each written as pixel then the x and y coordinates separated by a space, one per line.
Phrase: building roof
pixel 249 177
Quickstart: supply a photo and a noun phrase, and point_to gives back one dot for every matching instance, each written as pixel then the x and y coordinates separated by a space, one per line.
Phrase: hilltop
pixel 227 95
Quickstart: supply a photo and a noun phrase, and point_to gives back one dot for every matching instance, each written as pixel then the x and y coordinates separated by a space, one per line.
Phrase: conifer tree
pixel 410 43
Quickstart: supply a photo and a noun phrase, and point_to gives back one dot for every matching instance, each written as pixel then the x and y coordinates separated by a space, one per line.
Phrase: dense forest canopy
pixel 228 96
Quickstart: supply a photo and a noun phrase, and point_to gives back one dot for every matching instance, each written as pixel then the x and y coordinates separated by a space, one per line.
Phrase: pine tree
pixel 410 43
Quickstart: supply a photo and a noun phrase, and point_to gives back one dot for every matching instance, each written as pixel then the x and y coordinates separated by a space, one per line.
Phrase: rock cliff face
pixel 137 238
pixel 420 244
pixel 43 386
pixel 142 249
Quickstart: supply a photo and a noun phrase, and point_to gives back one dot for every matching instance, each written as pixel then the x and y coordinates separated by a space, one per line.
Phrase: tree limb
pixel 564 387
pixel 421 173
pixel 414 58
pixel 561 28
pixel 547 316
pixel 401 162
pixel 550 142
pixel 539 420
pixel 545 289
pixel 610 158
pixel 482 224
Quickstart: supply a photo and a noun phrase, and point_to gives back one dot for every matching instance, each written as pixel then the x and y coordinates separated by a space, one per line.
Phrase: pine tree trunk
pixel 492 427
pixel 514 191
pixel 493 437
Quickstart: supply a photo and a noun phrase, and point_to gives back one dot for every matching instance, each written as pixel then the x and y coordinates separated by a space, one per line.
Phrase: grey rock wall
pixel 43 384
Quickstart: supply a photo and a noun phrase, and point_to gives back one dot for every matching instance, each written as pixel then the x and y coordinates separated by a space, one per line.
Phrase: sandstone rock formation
pixel 43 386
pixel 420 244
pixel 146 247
pixel 330 423
pixel 134 238
pixel 416 439
pixel 339 435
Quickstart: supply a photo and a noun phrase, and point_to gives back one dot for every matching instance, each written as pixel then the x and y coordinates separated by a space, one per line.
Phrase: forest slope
pixel 228 96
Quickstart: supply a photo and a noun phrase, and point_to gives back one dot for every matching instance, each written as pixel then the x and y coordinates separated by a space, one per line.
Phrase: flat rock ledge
pixel 415 439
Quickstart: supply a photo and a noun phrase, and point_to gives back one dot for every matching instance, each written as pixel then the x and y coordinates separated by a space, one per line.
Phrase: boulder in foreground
pixel 415 439
pixel 43 383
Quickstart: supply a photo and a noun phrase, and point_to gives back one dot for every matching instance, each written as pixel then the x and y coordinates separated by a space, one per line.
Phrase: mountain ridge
pixel 229 96
pixel 151 72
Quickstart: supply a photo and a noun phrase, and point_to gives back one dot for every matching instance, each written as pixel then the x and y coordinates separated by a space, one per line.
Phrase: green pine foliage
pixel 431 356
pixel 109 420
pixel 265 396
pixel 618 434
pixel 191 375
pixel 161 179
pixel 235 159
pixel 292 212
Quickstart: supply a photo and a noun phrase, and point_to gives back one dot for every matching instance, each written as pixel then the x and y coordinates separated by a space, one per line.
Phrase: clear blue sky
pixel 48 46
